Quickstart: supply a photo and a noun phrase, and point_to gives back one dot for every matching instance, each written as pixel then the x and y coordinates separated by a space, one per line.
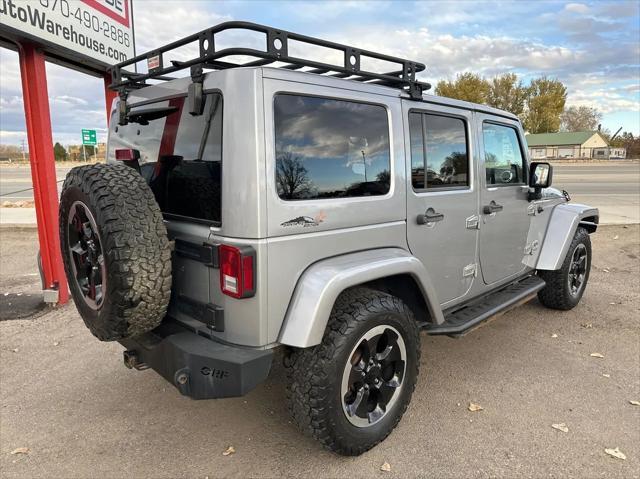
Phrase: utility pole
pixel 364 162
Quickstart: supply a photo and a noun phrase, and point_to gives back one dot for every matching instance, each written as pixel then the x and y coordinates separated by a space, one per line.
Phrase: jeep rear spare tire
pixel 115 249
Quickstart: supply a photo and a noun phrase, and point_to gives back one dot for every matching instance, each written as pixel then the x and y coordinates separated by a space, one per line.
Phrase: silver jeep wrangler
pixel 316 205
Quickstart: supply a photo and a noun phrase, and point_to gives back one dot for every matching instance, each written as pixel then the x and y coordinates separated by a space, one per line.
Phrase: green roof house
pixel 575 144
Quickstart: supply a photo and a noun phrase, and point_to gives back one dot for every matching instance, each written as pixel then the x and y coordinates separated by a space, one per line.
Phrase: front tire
pixel 350 391
pixel 566 285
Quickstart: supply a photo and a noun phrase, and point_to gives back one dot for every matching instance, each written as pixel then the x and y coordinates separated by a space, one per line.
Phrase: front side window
pixel 439 157
pixel 328 148
pixel 502 155
pixel 180 155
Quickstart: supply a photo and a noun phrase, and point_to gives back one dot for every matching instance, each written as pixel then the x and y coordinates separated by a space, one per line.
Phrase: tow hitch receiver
pixel 132 361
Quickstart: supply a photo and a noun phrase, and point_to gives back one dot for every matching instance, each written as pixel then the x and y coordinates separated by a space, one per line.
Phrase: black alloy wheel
pixel 87 259
pixel 372 378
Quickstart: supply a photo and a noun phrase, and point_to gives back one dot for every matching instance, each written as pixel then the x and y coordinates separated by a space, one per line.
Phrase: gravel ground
pixel 68 399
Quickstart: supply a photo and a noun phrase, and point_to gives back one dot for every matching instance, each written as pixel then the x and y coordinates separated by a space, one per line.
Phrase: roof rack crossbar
pixel 276 50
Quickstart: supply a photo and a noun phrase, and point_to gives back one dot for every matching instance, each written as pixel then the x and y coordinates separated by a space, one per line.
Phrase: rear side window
pixel 328 148
pixel 439 156
pixel 502 155
pixel 180 156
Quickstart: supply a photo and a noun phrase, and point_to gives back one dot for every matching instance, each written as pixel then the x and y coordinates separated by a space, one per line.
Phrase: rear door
pixel 442 199
pixel 504 205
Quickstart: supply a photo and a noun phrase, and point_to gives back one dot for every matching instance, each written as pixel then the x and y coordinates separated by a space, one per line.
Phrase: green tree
pixel 466 86
pixel 59 153
pixel 507 93
pixel 544 104
pixel 580 118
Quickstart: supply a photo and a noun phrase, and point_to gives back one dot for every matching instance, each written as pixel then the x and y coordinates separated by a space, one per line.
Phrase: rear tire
pixel 323 400
pixel 115 250
pixel 566 285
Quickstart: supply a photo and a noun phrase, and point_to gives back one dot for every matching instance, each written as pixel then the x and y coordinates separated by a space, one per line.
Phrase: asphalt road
pixel 614 188
pixel 16 183
pixel 67 397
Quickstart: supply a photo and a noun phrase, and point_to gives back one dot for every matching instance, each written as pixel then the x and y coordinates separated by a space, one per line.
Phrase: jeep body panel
pixel 455 265
pixel 335 213
pixel 322 283
pixel 503 234
pixel 562 227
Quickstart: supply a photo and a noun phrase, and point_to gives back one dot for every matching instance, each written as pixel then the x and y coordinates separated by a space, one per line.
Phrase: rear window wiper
pixel 145 116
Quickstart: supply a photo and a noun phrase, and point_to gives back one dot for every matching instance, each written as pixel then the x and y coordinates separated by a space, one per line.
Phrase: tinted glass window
pixel 439 157
pixel 503 157
pixel 330 148
pixel 180 156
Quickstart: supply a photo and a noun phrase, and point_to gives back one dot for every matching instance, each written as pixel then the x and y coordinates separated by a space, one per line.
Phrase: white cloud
pixel 576 8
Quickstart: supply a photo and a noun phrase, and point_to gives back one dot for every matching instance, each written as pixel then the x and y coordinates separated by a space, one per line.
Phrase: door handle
pixel 430 216
pixel 492 207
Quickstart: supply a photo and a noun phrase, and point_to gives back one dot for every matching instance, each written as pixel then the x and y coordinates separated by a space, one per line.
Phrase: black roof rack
pixel 277 50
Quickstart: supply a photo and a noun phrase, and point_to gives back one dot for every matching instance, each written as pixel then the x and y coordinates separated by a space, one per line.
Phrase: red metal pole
pixel 109 96
pixel 43 170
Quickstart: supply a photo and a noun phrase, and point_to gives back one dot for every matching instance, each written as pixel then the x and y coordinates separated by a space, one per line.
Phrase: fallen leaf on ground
pixel 474 407
pixel 606 375
pixel 616 237
pixel 554 335
pixel 20 450
pixel 386 467
pixel 56 343
pixel 230 450
pixel 605 270
pixel 634 403
pixel 596 355
pixel 617 453
pixel 560 427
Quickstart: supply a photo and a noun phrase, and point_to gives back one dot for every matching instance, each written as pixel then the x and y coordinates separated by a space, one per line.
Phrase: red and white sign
pixel 99 29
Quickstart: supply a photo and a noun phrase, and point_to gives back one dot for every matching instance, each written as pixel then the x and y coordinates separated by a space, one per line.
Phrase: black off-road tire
pixel 557 293
pixel 315 374
pixel 134 244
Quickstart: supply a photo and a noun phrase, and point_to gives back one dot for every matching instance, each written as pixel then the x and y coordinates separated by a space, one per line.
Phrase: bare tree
pixel 580 118
pixel 292 177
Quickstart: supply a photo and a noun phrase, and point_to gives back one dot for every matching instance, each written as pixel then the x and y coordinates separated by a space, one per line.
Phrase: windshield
pixel 180 155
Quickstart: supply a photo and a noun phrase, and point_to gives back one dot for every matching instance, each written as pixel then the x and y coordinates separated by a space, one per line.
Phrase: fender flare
pixel 560 232
pixel 322 282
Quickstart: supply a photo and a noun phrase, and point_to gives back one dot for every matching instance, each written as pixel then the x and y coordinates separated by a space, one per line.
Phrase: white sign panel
pixel 99 29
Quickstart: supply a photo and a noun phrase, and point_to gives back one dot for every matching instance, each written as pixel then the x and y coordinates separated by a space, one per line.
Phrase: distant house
pixel 576 144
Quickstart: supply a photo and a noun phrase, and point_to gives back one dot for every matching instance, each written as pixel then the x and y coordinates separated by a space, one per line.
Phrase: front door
pixel 503 198
pixel 442 201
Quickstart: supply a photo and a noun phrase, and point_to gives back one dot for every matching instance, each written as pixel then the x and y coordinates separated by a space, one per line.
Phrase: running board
pixel 463 320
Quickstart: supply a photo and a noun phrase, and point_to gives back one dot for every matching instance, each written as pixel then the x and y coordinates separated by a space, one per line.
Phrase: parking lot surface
pixel 68 398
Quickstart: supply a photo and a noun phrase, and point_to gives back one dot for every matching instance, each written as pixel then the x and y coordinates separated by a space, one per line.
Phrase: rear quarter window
pixel 329 148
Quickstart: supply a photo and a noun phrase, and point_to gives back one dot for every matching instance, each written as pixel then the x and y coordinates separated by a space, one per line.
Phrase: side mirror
pixel 540 176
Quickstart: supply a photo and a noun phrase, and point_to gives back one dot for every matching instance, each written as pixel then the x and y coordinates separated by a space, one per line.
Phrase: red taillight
pixel 127 154
pixel 237 271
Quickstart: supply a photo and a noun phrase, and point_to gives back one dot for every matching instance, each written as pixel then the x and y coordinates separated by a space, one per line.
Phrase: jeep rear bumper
pixel 198 367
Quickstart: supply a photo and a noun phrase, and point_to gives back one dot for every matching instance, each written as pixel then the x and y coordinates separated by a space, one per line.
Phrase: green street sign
pixel 89 137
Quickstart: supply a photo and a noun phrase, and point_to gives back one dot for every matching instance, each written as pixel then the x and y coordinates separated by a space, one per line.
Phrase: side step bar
pixel 463 320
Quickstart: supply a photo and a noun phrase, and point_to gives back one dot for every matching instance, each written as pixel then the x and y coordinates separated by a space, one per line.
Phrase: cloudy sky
pixel 593 47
